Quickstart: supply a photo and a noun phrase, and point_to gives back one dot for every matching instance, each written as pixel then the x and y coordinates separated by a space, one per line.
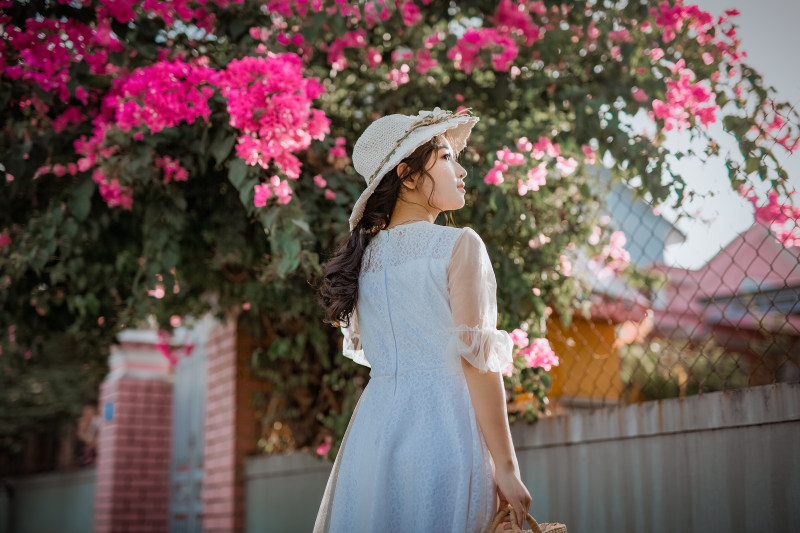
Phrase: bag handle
pixel 514 527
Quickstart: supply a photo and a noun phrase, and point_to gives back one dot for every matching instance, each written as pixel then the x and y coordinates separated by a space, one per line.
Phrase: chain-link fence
pixel 729 320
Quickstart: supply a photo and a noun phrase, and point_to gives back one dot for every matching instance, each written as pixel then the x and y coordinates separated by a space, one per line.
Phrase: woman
pixel 428 448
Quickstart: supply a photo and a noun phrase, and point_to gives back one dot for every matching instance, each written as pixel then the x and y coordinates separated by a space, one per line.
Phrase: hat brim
pixel 460 128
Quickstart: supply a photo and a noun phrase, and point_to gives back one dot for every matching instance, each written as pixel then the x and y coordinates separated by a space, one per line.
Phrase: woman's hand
pixel 512 491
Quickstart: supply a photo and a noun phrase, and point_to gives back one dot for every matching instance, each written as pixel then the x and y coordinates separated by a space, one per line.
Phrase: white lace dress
pixel 413 459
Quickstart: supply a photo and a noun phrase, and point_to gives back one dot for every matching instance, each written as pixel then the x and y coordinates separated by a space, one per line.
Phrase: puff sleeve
pixel 473 303
pixel 351 345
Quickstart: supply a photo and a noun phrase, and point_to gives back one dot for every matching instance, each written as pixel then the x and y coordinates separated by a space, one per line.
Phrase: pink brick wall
pixel 230 428
pixel 132 489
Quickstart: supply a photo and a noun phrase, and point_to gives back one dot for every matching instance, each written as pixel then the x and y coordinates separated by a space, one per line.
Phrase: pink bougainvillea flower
pixel 774 212
pixel 372 14
pixel 495 175
pixel 72 115
pixel 338 148
pixel 157 293
pixel 374 57
pixel 111 191
pixel 319 181
pixel 594 237
pixel 566 166
pixel 539 354
pixel 173 171
pixel 524 145
pixel 638 94
pixel 619 257
pixel 400 76
pixel 538 241
pixel 47 48
pixel 684 99
pixel 59 170
pixel 162 96
pixel 263 193
pixel 351 39
pixel 163 346
pixel 592 32
pixel 545 146
pixel 281 189
pixel 432 39
pixel 565 265
pixel 269 100
pixel 788 237
pixel 402 54
pixel 466 52
pixel 788 144
pixel 620 36
pixel 330 195
pixel 5 240
pixel 510 158
pixel 410 13
pixel 424 61
pixel 519 337
pixel 323 448
pixel 512 18
pixel 536 178
pixel 590 158
pixel 655 54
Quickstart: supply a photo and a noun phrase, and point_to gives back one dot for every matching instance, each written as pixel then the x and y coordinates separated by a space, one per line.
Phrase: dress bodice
pixel 403 302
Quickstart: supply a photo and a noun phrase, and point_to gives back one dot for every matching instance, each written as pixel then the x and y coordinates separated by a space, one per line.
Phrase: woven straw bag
pixel 537 527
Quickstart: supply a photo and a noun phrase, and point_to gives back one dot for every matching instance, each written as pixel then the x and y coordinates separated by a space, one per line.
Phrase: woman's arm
pixel 484 351
pixel 488 395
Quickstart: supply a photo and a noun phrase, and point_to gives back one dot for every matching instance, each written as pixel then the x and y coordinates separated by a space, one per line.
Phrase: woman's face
pixel 448 176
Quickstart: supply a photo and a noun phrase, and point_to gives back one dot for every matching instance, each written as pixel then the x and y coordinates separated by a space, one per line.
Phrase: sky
pixel 768 30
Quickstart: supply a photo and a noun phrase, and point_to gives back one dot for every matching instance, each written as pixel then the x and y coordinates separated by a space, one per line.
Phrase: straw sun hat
pixel 390 139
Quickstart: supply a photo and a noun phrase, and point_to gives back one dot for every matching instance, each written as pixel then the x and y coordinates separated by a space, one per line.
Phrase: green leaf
pixel 170 257
pixel 247 194
pixel 80 200
pixel 70 228
pixel 237 172
pixel 279 348
pixel 222 146
pixel 751 164
pixel 302 224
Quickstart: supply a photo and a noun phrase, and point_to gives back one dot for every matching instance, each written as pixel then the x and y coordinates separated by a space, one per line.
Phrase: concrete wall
pixel 727 461
pixel 283 492
pixel 45 503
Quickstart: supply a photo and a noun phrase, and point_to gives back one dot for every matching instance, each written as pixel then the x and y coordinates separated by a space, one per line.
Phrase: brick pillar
pixel 134 445
pixel 230 429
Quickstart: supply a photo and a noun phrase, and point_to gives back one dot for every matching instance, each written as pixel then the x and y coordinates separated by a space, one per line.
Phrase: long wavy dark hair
pixel 338 290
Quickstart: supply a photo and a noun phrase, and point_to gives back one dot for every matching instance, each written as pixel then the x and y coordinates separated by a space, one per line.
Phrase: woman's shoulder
pixel 449 234
pixel 453 238
pixel 466 236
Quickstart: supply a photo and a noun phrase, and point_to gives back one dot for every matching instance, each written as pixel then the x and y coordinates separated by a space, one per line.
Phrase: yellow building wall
pixel 588 362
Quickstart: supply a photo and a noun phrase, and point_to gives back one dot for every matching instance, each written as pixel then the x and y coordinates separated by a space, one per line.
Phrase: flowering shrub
pixel 159 156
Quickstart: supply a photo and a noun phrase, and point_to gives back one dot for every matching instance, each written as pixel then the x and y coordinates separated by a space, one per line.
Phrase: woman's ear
pixel 403 171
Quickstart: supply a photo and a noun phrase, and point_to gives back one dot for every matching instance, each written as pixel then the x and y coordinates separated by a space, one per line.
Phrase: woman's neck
pixel 406 212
